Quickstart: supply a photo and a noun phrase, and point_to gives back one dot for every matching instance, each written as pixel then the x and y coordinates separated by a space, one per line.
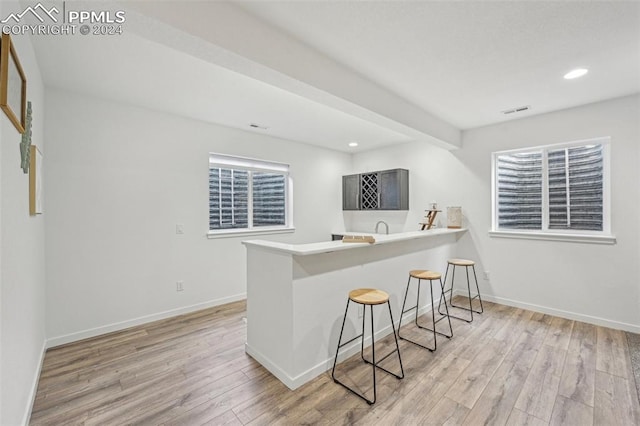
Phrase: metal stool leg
pixel 478 290
pixel 466 268
pixel 453 280
pixel 397 349
pixel 433 317
pixel 373 352
pixel 402 312
pixel 333 371
pixel 418 302
pixel 373 362
pixel 395 337
pixel 364 316
pixel 434 321
pixel 443 295
pixel 335 360
pixel 416 307
pixel 470 308
pixel 446 308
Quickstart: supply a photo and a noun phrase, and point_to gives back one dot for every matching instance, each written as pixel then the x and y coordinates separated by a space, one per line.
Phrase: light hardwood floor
pixel 510 366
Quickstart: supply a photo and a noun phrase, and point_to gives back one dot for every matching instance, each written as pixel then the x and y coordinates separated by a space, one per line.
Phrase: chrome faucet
pixel 385 224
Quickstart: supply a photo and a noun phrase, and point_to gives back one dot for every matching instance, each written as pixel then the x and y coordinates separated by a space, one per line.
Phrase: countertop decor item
pixel 429 218
pixel 454 217
pixel 13 85
pixel 358 239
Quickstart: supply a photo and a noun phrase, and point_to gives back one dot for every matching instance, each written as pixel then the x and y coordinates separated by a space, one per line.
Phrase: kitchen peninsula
pixel 296 294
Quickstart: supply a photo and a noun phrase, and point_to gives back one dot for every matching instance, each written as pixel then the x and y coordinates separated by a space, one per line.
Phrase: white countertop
pixel 330 246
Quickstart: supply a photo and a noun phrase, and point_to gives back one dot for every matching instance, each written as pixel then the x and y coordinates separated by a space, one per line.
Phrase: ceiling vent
pixel 519 109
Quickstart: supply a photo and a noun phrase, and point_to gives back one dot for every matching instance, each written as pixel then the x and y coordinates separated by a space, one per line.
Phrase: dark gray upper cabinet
pixel 394 189
pixel 382 190
pixel 351 192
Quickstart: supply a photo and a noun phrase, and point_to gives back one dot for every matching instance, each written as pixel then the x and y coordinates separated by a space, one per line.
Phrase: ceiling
pixel 379 73
pixel 467 61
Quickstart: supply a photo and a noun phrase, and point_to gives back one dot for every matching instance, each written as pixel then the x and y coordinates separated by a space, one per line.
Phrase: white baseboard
pixel 109 328
pixel 34 385
pixel 273 369
pixel 563 314
pixel 294 382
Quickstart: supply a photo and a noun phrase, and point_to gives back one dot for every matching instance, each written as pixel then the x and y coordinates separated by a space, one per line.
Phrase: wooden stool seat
pixel 461 262
pixel 415 272
pixel 429 275
pixel 369 296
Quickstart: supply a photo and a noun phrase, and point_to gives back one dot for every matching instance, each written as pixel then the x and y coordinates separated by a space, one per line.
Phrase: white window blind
pixel 520 190
pixel 576 188
pixel 559 188
pixel 247 194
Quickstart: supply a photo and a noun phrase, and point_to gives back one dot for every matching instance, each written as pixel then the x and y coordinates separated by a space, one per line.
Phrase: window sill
pixel 574 238
pixel 227 233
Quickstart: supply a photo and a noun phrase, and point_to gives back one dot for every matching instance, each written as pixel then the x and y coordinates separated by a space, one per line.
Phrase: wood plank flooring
pixel 509 367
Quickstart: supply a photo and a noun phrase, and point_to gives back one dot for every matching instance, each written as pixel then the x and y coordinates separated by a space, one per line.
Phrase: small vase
pixel 454 217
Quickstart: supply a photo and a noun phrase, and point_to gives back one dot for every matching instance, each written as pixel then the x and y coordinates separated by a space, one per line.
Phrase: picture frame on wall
pixel 13 84
pixel 35 181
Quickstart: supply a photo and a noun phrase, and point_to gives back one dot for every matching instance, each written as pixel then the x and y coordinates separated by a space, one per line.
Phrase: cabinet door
pixel 394 189
pixel 351 192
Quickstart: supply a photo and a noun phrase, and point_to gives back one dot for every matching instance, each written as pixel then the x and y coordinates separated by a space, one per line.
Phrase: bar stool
pixel 466 263
pixel 422 274
pixel 368 297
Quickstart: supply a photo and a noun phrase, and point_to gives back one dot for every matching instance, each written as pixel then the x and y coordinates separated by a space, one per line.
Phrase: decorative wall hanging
pixel 25 152
pixel 13 85
pixel 35 181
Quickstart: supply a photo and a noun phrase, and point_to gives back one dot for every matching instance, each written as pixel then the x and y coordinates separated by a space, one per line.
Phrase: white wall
pixel 594 283
pixel 434 175
pixel 119 180
pixel 22 290
pixel 1 238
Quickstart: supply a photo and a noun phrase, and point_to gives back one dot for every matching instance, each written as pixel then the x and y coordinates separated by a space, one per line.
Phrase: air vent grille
pixel 514 110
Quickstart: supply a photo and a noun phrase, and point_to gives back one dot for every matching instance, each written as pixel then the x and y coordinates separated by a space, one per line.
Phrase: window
pixel 553 190
pixel 248 195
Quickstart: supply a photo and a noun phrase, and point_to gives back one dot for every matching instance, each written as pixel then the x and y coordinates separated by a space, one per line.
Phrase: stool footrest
pixel 377 364
pixel 467 309
pixel 450 290
pixel 349 341
pixel 449 336
pixel 368 401
pixel 409 310
pixel 417 344
pixel 460 318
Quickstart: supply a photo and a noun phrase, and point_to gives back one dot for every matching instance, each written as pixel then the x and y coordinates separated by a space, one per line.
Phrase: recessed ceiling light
pixel 353 144
pixel 579 72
